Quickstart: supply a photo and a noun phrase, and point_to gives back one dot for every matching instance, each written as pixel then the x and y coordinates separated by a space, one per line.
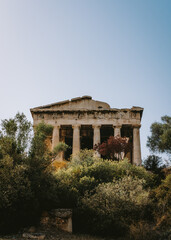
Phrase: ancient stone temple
pixel 83 122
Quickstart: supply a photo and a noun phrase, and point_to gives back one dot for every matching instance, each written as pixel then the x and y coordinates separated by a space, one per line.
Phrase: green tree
pixel 39 148
pixel 15 137
pixel 16 195
pixel 40 170
pixel 18 130
pixel 160 139
pixel 27 184
pixel 155 164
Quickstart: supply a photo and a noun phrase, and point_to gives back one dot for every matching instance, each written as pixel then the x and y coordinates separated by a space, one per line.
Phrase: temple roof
pixel 84 103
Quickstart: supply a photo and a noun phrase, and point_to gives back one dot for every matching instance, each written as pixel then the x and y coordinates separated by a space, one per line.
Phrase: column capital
pixel 136 125
pixel 96 126
pixel 57 126
pixel 76 126
pixel 117 126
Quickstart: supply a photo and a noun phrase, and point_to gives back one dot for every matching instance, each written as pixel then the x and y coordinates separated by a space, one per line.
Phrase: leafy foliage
pixel 114 206
pixel 108 197
pixel 85 172
pixel 39 147
pixel 114 148
pixel 60 147
pixel 40 168
pixel 155 164
pixel 26 181
pixel 83 158
pixel 163 199
pixel 17 129
pixel 15 190
pixel 160 139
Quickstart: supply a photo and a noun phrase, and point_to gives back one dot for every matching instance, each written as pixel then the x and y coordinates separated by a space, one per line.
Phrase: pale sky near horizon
pixel 117 51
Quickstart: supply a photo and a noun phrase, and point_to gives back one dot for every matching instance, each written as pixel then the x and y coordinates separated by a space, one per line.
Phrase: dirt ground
pixel 48 234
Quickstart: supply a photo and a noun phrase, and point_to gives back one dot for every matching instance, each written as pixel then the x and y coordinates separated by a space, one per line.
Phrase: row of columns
pixel 96 139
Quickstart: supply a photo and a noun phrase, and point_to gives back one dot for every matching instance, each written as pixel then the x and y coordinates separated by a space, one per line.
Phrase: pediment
pixel 79 103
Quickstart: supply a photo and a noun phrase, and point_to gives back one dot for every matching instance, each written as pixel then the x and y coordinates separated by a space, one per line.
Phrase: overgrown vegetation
pixel 26 179
pixel 108 197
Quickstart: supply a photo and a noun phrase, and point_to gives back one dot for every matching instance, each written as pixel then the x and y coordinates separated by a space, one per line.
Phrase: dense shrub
pixel 85 172
pixel 163 201
pixel 144 230
pixel 114 206
pixel 160 227
pixel 16 196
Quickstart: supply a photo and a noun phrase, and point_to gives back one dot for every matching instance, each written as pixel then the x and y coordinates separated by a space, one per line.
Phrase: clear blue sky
pixel 117 51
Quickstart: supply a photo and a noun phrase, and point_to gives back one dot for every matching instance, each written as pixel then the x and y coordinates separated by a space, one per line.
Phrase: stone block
pixel 59 218
pixel 37 236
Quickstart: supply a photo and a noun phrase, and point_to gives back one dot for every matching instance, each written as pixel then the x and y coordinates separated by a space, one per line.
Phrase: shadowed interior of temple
pixel 105 132
pixel 66 135
pixel 86 137
pixel 127 131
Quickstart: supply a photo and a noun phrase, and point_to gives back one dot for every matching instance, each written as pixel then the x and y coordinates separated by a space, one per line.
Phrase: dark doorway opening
pixel 105 132
pixel 86 137
pixel 66 135
pixel 127 131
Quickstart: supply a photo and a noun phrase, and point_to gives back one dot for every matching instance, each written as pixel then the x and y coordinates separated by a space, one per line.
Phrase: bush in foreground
pixel 114 206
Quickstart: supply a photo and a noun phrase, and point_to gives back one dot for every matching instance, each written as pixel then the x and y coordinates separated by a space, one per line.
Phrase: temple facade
pixel 83 122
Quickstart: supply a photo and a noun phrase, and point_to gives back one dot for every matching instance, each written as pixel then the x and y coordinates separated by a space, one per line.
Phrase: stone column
pixel 96 137
pixel 76 139
pixel 136 145
pixel 55 137
pixel 117 130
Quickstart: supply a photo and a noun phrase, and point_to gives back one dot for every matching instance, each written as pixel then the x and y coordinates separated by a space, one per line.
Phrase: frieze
pixel 86 115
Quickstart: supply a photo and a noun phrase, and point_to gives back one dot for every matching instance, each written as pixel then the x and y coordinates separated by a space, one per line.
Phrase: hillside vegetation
pixel 108 198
